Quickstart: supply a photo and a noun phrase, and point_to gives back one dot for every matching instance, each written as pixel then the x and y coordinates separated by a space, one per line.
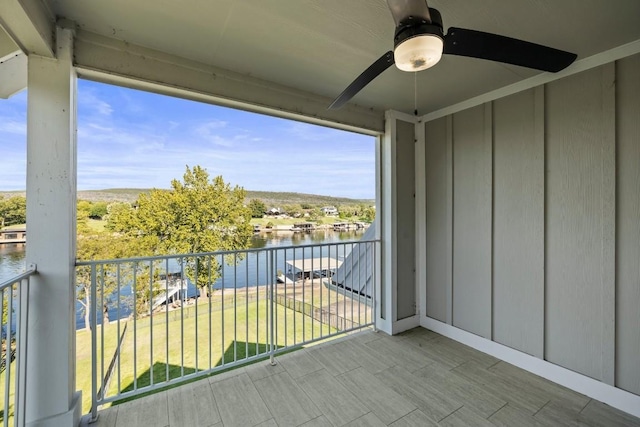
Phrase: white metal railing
pixel 14 334
pixel 176 317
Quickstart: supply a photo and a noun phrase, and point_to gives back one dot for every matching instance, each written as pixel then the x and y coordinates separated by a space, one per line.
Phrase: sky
pixel 135 139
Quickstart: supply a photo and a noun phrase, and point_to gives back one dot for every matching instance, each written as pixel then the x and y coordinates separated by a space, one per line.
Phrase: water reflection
pixel 12 256
pixel 11 260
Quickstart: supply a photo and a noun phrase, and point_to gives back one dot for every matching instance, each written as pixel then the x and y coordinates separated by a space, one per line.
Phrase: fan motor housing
pixel 408 28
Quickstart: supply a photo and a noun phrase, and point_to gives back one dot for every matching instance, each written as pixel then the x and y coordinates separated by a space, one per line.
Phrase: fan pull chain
pixel 415 93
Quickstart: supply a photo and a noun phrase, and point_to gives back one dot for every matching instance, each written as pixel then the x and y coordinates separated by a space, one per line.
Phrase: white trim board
pixel 405 324
pixel 540 79
pixel 612 396
pixel 102 76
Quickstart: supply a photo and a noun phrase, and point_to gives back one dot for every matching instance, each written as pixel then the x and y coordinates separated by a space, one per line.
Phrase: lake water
pixel 12 262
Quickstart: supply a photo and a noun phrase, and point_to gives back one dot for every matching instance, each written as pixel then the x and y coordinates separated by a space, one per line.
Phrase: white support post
pixel 51 398
pixel 390 185
pixel 386 314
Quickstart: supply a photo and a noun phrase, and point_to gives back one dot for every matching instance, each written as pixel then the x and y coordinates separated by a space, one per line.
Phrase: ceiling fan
pixel 419 43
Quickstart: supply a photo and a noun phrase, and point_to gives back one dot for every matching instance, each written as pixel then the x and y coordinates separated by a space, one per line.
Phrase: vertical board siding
pixel 628 226
pixel 518 236
pixel 405 226
pixel 438 189
pixel 543 215
pixel 472 222
pixel 578 220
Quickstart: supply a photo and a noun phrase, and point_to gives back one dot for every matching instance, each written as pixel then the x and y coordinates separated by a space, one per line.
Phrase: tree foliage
pixel 368 214
pixel 257 207
pixel 197 215
pixel 98 210
pixel 294 210
pixel 97 245
pixel 13 211
pixel 361 211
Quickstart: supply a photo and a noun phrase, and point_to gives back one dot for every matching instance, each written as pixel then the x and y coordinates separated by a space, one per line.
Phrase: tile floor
pixel 418 378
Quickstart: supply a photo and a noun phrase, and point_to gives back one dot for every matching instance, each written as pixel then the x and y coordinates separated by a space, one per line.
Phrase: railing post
pixel 271 308
pixel 93 322
pixel 374 285
pixel 22 331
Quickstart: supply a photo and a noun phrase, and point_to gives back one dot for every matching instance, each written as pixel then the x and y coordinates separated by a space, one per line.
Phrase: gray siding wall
pixel 628 225
pixel 580 203
pixel 439 219
pixel 472 222
pixel 533 222
pixel 518 221
pixel 406 219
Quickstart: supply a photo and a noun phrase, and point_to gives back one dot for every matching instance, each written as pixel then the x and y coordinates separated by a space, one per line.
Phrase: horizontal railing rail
pixel 14 334
pixel 157 321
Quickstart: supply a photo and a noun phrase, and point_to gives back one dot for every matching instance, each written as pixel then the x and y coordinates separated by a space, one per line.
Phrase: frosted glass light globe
pixel 418 53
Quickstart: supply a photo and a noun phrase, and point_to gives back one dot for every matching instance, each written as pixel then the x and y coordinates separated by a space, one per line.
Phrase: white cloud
pixel 14 127
pixel 87 99
pixel 209 132
pixel 135 139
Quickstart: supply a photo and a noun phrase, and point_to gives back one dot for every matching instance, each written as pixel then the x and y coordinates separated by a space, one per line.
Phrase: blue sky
pixel 129 138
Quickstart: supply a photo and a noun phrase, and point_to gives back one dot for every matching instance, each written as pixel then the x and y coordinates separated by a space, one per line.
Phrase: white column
pixel 51 398
pixel 393 198
pixel 385 295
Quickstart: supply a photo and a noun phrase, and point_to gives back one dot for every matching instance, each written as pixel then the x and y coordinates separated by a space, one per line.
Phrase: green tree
pixel 368 214
pixel 13 211
pixel 257 207
pixel 83 208
pixel 94 245
pixel 120 216
pixel 197 215
pixel 293 210
pixel 98 210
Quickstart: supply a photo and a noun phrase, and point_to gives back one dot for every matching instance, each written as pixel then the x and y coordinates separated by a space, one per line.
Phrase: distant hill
pixel 107 195
pixel 270 198
pixel 275 199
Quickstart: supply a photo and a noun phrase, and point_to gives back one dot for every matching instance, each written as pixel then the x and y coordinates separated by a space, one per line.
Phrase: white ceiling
pixel 320 46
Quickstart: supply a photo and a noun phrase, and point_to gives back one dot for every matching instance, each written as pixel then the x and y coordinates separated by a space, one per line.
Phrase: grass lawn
pixel 109 336
pixel 14 227
pixel 7 411
pixel 245 334
pixel 83 366
pixel 222 336
pixel 96 224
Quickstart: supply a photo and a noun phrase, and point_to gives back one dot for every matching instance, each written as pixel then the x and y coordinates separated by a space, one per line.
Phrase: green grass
pixel 9 411
pixel 213 348
pixel 107 335
pixel 249 338
pixel 14 227
pixel 96 224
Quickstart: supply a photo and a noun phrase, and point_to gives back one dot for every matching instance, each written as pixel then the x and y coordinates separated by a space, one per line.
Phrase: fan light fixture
pixel 418 53
pixel 419 42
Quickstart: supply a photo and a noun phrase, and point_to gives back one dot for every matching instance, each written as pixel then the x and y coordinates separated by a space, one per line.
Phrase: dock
pixel 312 267
pixel 13 235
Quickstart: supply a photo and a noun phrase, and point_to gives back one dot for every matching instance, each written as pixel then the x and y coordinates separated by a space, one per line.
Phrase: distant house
pixel 329 210
pixel 274 211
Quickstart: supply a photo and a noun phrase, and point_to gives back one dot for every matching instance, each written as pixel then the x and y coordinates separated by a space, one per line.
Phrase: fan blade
pixel 374 70
pixel 401 10
pixel 478 44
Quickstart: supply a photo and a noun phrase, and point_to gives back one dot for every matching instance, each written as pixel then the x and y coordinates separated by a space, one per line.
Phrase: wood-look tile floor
pixel 418 378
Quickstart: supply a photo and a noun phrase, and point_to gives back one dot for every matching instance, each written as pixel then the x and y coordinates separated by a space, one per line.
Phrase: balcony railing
pixel 14 333
pixel 157 321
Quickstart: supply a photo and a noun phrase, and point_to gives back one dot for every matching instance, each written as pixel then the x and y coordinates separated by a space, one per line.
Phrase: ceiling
pixel 320 46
